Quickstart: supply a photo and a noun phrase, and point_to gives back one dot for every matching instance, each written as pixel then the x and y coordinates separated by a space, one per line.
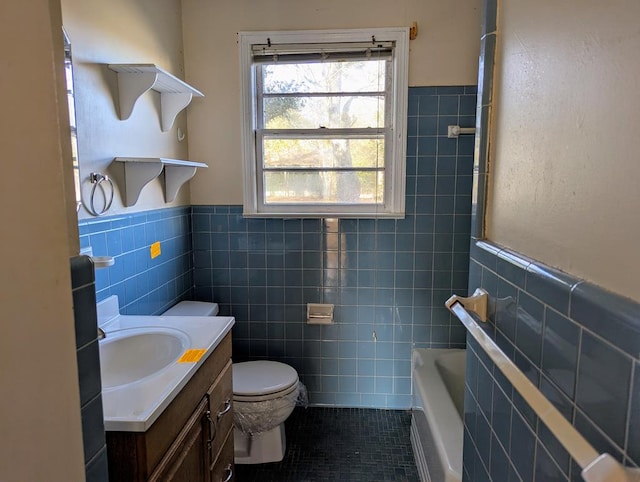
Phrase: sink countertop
pixel 135 406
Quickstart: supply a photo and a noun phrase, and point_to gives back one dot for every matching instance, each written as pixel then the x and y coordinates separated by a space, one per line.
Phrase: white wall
pixel 123 31
pixel 445 53
pixel 565 176
pixel 41 437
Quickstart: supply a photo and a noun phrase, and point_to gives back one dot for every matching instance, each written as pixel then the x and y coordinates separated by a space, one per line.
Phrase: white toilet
pixel 264 395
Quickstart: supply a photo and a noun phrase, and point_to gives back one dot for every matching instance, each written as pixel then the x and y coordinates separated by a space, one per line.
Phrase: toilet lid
pixel 262 377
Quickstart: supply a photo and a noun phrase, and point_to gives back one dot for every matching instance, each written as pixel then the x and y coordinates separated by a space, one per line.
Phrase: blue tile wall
pixel 144 286
pixel 577 342
pixel 86 326
pixel 388 277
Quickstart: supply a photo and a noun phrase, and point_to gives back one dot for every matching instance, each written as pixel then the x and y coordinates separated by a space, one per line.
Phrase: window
pixel 324 116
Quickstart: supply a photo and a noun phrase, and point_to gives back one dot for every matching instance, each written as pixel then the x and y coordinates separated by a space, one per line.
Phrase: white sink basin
pixel 131 355
pixel 139 361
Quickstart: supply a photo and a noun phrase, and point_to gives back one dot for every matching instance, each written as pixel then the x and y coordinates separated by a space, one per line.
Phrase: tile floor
pixel 341 444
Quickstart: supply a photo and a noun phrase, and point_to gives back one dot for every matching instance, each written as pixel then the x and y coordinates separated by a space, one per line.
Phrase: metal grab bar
pixel 595 467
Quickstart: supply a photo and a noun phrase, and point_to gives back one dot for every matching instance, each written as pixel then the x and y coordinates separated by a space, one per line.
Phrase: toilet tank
pixel 192 308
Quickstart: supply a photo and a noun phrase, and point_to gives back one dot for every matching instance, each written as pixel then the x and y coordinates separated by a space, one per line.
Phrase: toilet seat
pixel 266 397
pixel 262 380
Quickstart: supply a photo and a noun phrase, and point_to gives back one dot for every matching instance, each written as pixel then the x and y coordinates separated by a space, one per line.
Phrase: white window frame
pixel 395 161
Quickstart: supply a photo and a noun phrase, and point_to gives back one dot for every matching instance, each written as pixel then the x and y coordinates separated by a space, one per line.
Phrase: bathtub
pixel 437 413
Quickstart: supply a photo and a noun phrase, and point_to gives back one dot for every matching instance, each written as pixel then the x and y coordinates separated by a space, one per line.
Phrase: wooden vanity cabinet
pixel 186 460
pixel 192 441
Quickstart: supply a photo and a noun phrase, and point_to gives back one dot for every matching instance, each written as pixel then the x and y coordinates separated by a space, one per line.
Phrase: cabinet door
pixel 187 460
pixel 221 403
pixel 222 469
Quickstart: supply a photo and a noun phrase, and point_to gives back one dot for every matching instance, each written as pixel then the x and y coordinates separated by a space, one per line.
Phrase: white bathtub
pixel 436 424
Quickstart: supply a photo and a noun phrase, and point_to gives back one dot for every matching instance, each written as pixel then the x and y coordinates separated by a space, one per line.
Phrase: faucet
pixel 101 334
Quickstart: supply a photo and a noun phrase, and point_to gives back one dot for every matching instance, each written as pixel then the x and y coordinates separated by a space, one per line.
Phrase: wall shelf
pixel 136 79
pixel 137 172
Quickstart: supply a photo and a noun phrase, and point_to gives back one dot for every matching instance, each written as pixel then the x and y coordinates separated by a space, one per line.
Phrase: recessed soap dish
pixel 319 314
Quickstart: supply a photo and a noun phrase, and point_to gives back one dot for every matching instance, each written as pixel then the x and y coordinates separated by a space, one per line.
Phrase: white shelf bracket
pixel 174 178
pixel 171 105
pixel 136 172
pixel 136 79
pixel 137 175
pixel 131 87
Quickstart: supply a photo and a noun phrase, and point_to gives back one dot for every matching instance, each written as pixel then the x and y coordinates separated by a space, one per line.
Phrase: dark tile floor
pixel 341 444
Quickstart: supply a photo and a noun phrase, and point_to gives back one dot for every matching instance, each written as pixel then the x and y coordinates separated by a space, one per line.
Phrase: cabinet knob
pixel 213 424
pixel 212 427
pixel 227 407
pixel 229 471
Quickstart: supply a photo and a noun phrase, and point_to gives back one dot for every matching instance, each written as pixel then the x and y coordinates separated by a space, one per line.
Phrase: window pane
pixel 323 187
pixel 323 153
pixel 331 112
pixel 323 77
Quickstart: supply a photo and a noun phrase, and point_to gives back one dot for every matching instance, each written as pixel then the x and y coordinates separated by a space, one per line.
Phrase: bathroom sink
pixel 131 355
pixel 139 361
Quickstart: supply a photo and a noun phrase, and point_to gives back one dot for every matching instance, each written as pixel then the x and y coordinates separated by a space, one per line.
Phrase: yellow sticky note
pixel 191 356
pixel 155 250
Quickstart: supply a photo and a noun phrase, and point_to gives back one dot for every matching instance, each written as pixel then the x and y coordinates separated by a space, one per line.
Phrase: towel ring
pixel 97 179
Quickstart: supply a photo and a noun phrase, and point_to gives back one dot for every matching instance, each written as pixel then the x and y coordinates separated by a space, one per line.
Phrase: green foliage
pixel 281 106
pixel 286 112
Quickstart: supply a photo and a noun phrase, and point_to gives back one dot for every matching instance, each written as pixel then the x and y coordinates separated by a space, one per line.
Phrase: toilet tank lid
pixel 262 377
pixel 193 308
